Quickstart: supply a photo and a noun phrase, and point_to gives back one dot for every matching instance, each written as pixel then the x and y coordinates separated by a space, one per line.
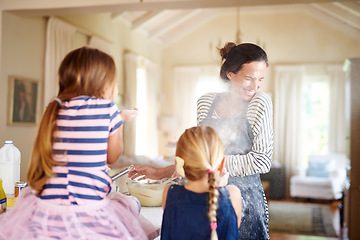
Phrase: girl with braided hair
pixel 203 208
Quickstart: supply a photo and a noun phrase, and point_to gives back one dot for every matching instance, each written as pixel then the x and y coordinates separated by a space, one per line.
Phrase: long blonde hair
pixel 202 151
pixel 84 71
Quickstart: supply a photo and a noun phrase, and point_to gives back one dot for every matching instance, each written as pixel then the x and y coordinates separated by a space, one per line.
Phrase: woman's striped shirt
pixel 260 117
pixel 84 126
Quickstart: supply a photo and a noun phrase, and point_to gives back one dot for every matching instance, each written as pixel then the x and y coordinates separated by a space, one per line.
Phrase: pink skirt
pixel 115 217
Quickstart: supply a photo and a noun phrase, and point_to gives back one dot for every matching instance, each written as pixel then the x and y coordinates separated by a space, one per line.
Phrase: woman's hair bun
pixel 224 52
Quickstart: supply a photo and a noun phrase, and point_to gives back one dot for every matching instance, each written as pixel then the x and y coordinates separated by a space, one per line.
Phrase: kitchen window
pixel 315 114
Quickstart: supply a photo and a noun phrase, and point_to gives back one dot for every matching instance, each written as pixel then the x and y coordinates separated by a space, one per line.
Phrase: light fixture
pixel 238 32
pixel 214 46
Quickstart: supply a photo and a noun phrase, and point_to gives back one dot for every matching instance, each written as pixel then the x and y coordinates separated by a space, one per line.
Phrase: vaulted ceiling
pixel 168 20
pixel 167 25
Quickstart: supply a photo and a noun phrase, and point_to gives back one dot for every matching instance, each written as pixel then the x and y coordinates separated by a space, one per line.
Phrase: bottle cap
pixel 8 142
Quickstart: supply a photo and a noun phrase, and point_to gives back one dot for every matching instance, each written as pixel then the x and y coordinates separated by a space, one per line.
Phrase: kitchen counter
pixel 153 214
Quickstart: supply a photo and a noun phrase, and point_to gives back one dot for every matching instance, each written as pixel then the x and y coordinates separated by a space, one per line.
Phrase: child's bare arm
pixel 115 146
pixel 166 189
pixel 115 142
pixel 235 197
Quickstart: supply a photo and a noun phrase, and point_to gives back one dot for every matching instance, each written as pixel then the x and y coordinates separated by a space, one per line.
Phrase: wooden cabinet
pixel 352 195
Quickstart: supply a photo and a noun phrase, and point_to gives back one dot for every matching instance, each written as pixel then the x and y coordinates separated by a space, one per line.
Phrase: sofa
pixel 325 178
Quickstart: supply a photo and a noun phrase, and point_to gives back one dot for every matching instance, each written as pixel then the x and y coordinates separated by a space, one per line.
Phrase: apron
pixel 237 138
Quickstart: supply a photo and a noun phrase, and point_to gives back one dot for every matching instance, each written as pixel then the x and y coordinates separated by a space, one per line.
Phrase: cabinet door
pixel 352 206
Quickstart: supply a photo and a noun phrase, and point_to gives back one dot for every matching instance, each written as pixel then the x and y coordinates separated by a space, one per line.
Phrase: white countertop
pixel 153 214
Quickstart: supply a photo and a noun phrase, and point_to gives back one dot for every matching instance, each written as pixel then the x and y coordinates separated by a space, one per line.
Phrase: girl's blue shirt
pixel 186 216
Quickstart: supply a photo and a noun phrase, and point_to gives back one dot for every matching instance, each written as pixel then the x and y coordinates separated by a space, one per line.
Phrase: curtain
pixel 145 141
pixel 337 120
pixel 287 115
pixel 131 63
pixel 190 82
pixel 153 86
pixel 185 80
pixel 59 37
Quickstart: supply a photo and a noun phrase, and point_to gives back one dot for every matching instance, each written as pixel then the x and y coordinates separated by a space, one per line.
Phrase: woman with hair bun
pixel 242 117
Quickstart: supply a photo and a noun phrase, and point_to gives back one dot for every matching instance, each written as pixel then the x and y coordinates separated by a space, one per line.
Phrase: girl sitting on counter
pixel 79 133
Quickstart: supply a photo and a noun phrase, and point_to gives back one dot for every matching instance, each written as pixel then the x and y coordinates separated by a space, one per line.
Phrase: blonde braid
pixel 213 204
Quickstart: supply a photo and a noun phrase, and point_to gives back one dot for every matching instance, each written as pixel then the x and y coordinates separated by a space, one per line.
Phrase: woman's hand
pixel 142 172
pixel 128 115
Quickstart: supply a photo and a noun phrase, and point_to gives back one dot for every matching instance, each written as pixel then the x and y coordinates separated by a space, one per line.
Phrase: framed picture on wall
pixel 23 101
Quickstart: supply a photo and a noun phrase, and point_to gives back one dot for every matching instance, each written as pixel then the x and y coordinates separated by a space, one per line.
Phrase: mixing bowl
pixel 149 192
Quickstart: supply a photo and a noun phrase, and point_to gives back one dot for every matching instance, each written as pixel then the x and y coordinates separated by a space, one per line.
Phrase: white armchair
pixel 324 178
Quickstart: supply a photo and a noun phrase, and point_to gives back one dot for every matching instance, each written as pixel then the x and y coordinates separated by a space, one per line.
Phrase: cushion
pixel 318 168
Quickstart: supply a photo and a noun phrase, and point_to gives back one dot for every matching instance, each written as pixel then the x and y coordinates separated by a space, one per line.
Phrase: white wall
pixel 22 54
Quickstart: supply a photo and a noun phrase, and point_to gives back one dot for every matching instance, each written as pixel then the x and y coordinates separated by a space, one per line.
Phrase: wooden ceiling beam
pixel 145 19
pixel 339 13
pixel 46 8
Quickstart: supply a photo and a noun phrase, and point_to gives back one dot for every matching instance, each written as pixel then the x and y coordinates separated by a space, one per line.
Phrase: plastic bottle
pixel 2 198
pixel 9 167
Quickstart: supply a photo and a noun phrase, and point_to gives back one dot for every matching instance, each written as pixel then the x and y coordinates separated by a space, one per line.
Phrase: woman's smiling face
pixel 248 80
